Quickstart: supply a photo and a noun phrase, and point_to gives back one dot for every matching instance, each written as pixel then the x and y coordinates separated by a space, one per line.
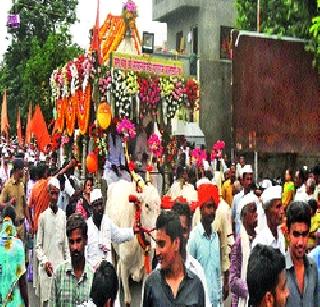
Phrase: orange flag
pixel 95 36
pixel 29 125
pixel 4 115
pixel 39 129
pixel 19 133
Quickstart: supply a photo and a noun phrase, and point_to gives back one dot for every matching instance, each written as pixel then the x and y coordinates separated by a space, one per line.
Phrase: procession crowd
pixel 223 234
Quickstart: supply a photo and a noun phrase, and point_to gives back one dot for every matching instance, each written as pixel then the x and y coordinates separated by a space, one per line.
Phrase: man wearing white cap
pixel 270 234
pixel 52 245
pixel 246 176
pixel 241 250
pixel 102 231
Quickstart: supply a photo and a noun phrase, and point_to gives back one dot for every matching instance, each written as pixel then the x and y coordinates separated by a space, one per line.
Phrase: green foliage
pixel 292 18
pixel 38 68
pixel 41 44
pixel 247 14
pixel 314 45
pixel 281 17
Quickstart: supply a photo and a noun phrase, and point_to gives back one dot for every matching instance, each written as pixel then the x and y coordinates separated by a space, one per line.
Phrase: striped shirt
pixel 67 290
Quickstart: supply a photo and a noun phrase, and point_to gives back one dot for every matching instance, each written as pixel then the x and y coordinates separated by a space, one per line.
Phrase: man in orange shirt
pixel 39 197
pixel 38 203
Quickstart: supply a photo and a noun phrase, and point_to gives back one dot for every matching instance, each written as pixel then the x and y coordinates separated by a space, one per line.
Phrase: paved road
pixel 33 300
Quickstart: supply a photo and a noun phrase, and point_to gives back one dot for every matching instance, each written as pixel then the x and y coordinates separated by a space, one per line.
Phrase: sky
pixel 86 13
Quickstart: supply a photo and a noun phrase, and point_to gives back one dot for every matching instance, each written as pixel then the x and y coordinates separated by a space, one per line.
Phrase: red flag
pixel 39 129
pixel 19 133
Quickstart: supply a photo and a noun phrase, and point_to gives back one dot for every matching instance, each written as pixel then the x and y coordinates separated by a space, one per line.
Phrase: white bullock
pixel 122 213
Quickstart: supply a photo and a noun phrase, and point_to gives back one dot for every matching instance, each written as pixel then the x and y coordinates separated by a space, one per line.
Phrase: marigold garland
pixel 71 114
pixel 60 109
pixel 83 110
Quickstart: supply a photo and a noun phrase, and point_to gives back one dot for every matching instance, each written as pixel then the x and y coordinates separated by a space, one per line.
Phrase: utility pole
pixel 258 16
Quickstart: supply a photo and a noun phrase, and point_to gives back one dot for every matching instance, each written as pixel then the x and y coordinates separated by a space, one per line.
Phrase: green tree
pixel 314 45
pixel 281 17
pixel 291 18
pixel 38 68
pixel 41 44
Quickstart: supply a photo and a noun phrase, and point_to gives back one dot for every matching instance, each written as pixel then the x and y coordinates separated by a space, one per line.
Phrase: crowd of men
pixel 257 242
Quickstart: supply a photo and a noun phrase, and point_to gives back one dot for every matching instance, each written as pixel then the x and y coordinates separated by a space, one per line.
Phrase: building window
pixel 195 40
pixel 179 42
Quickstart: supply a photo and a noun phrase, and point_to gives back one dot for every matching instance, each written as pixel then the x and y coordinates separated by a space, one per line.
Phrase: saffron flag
pixel 95 36
pixel 19 133
pixel 29 125
pixel 40 130
pixel 4 115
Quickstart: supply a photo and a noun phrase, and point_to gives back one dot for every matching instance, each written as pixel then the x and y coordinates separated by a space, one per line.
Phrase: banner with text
pixel 147 64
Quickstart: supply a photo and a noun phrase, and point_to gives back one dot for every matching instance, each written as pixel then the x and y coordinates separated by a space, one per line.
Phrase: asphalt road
pixel 33 299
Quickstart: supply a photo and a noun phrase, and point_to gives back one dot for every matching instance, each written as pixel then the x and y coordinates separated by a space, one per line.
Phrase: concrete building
pixel 196 28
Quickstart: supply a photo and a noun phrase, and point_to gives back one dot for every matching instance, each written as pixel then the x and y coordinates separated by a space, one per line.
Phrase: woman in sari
pixel 13 290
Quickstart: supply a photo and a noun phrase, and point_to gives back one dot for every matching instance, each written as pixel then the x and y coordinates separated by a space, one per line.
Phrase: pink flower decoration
pixel 81 210
pixel 154 145
pixel 199 155
pixel 217 149
pixel 130 6
pixel 213 155
pixel 126 128
pixel 149 92
pixel 220 145
pixel 64 140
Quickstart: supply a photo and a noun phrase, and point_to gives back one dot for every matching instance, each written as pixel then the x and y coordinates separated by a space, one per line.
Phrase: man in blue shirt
pixel 204 242
pixel 315 255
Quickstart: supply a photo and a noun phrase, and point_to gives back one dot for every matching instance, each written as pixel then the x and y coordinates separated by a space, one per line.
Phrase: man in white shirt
pixel 5 169
pixel 66 191
pixel 52 245
pixel 102 231
pixel 246 176
pixel 299 184
pixel 207 178
pixel 270 234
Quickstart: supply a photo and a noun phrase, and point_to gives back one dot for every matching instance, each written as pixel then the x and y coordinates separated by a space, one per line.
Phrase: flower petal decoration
pixel 127 129
pixel 154 145
pixel 199 155
pixel 219 145
pixel 217 148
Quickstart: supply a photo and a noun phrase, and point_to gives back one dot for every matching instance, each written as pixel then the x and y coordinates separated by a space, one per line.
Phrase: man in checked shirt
pixel 72 281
